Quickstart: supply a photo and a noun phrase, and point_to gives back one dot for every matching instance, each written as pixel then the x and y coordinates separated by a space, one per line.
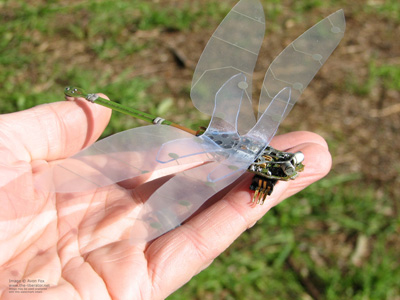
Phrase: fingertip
pixel 97 118
pixel 323 161
pixel 317 164
pixel 316 156
pixel 78 124
pixel 291 139
pixel 54 130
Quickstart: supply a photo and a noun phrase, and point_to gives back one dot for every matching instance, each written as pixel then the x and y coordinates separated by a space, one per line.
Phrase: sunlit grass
pixel 48 45
pixel 327 236
pixel 387 8
pixel 385 75
pixel 339 234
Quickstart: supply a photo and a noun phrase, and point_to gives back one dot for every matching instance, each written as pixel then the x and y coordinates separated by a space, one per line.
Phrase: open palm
pixel 78 245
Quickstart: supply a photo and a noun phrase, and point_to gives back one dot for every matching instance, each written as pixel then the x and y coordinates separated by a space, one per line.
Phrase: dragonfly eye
pixel 298 157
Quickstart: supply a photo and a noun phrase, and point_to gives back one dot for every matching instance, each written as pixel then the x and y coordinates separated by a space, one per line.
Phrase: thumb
pixel 52 131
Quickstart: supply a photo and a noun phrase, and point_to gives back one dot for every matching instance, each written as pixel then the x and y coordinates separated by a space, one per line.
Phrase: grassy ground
pixel 338 239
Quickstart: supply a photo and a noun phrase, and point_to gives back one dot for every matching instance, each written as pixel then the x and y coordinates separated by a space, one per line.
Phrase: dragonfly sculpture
pixel 234 141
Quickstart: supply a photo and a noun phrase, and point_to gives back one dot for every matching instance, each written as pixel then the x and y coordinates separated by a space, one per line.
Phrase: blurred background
pixel 339 238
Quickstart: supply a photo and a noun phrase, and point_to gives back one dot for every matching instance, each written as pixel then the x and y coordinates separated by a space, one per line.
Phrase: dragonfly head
pixel 71 91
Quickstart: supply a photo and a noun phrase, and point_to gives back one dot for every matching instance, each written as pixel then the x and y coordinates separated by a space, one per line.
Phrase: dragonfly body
pixel 234 141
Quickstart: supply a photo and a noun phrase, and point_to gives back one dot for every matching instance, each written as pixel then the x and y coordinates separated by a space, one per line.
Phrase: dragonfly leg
pixel 262 188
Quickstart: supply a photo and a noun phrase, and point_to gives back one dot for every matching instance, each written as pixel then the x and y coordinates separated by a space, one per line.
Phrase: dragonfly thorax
pixel 244 146
pixel 225 140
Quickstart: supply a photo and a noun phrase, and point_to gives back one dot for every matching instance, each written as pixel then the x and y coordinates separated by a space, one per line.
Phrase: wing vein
pixel 232 44
pixel 247 16
pixel 215 69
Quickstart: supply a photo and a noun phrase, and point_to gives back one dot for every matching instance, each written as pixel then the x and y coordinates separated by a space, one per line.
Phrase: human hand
pixel 80 244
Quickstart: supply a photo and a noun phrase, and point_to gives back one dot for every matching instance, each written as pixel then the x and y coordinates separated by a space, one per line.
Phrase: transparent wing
pixel 184 148
pixel 297 65
pixel 122 156
pixel 183 194
pixel 222 127
pixel 227 104
pixel 269 121
pixel 255 141
pixel 232 49
pixel 134 152
pixel 171 204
